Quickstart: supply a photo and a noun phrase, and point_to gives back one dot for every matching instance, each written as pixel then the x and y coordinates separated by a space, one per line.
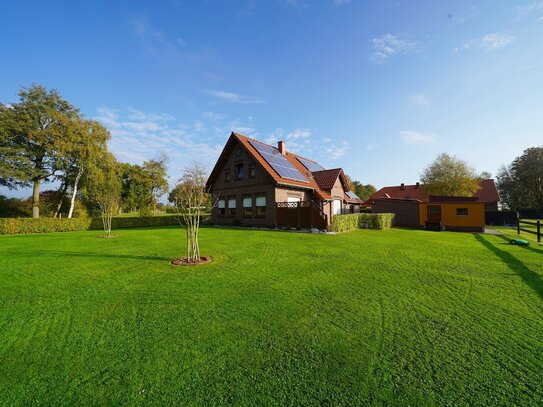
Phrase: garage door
pixel 336 207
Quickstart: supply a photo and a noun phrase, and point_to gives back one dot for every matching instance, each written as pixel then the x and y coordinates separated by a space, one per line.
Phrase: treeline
pixel 521 182
pixel 44 138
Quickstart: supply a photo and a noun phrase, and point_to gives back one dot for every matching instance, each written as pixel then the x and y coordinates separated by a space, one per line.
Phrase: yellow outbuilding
pixel 452 214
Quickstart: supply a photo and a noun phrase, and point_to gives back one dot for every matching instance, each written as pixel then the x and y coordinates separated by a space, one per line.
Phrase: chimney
pixel 417 185
pixel 282 147
pixel 402 186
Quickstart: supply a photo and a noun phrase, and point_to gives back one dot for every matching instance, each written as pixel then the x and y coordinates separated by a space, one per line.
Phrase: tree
pixel 363 191
pixel 156 180
pixel 14 164
pixel 449 176
pixel 521 183
pixel 104 189
pixel 189 200
pixel 85 141
pixel 33 128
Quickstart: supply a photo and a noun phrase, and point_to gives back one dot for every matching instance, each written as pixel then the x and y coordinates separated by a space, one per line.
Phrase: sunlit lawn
pixel 394 317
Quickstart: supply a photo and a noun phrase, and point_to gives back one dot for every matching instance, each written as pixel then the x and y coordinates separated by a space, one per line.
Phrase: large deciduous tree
pixel 190 198
pixel 33 128
pixel 449 176
pixel 521 183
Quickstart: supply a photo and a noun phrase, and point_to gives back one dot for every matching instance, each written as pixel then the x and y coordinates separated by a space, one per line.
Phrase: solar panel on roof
pixel 310 165
pixel 352 195
pixel 278 162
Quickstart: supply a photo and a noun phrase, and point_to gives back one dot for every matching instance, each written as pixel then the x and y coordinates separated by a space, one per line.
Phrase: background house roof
pixel 488 193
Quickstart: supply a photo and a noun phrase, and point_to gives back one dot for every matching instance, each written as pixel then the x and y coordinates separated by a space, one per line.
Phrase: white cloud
pixel 389 45
pixel 338 150
pixel 420 99
pixel 527 9
pixel 232 97
pixel 415 137
pixel 486 43
pixel 371 146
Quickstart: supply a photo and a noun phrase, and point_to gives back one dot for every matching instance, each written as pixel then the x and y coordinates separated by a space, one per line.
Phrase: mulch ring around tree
pixel 183 261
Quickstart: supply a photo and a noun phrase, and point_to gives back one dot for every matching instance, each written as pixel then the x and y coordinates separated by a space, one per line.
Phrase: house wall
pixel 282 194
pixel 474 221
pixel 406 212
pixel 261 184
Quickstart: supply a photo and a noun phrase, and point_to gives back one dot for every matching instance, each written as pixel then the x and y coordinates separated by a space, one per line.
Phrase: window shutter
pixel 247 202
pixel 260 201
pixel 231 203
pixel 221 204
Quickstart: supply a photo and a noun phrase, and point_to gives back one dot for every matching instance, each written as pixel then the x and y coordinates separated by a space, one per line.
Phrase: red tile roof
pixel 292 158
pixel 327 178
pixel 488 192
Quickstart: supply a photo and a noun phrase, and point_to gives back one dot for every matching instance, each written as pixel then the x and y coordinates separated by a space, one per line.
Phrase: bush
pixel 343 223
pixel 13 226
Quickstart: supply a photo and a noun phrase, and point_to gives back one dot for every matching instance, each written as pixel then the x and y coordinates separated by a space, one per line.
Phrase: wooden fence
pixel 304 214
pixel 537 225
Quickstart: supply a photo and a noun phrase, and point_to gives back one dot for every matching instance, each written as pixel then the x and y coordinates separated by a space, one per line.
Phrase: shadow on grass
pixel 93 255
pixel 531 278
pixel 532 247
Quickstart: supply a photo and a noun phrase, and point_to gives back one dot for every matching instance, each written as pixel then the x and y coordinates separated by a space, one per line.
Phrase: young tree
pixel 33 126
pixel 85 141
pixel 450 176
pixel 104 189
pixel 189 200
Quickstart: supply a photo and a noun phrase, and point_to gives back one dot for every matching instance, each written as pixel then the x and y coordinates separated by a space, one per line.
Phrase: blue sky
pixel 376 87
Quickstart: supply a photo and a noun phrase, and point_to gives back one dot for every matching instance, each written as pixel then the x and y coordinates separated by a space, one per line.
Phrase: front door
pixel 433 213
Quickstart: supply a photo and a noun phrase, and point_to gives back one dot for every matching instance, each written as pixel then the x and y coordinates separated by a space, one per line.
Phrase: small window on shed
pixel 461 211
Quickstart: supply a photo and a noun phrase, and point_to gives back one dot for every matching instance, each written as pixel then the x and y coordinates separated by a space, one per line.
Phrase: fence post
pixel 538 231
pixel 518 225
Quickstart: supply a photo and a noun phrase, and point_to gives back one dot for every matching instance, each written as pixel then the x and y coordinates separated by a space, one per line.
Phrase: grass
pixel 394 317
pixel 511 232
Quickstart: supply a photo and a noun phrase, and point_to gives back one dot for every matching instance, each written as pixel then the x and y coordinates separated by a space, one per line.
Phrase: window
pixel 247 206
pixel 260 206
pixel 240 171
pixel 222 207
pixel 252 171
pixel 226 175
pixel 232 207
pixel 461 211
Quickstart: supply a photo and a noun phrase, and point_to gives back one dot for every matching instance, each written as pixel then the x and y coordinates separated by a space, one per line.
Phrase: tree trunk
pixel 74 193
pixel 61 200
pixel 36 199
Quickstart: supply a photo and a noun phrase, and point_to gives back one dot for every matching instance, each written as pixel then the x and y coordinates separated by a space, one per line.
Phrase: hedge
pixel 343 223
pixel 13 226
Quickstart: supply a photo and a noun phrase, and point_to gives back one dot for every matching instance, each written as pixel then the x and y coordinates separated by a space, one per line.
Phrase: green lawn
pixel 394 317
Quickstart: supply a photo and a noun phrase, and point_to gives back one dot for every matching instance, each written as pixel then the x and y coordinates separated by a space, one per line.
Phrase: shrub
pixel 13 226
pixel 343 223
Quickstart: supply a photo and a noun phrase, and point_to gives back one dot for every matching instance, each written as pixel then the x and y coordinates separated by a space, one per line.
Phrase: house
pixel 487 194
pixel 444 213
pixel 256 184
pixel 438 213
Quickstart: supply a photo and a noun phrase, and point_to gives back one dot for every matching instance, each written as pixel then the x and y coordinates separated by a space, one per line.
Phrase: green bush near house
pixel 344 223
pixel 15 226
